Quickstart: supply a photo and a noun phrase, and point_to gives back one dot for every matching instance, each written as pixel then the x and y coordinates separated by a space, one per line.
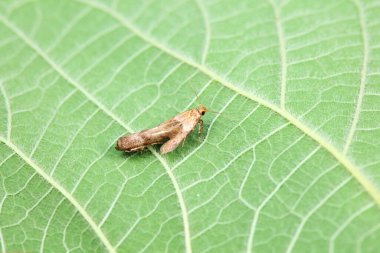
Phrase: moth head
pixel 202 110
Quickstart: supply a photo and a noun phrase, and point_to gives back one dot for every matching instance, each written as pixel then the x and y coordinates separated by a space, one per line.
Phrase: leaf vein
pixel 2 242
pixel 72 139
pixel 298 231
pixel 45 233
pixel 206 21
pixel 346 223
pixel 269 197
pixel 84 213
pixel 367 184
pixel 363 76
pixel 9 112
pixel 282 48
pixel 64 192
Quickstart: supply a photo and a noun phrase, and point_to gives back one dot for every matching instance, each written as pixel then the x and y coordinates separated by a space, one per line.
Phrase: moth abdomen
pixel 129 142
pixel 136 141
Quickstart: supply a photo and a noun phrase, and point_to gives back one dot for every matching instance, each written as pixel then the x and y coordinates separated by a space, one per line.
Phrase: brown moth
pixel 169 133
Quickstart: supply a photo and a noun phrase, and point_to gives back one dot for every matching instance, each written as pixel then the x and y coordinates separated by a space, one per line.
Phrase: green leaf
pixel 291 163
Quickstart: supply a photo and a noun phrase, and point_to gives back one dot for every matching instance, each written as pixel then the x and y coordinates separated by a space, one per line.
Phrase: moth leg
pixel 200 129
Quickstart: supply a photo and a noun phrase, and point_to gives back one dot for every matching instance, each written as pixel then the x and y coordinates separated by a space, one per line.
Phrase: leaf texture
pixel 291 163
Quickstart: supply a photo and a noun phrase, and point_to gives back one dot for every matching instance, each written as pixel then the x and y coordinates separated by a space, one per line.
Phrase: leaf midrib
pixel 63 191
pixel 108 112
pixel 343 159
pixel 349 165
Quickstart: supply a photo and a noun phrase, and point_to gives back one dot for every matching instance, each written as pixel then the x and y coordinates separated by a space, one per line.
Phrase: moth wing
pixel 188 122
pixel 171 125
pixel 165 130
pixel 173 143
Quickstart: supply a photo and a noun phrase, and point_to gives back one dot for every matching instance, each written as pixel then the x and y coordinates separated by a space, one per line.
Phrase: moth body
pixel 169 133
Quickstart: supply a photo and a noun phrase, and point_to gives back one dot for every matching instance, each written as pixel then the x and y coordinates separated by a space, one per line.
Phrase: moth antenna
pixel 215 112
pixel 219 113
pixel 195 93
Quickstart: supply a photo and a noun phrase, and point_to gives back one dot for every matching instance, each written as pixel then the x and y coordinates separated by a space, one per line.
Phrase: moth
pixel 169 133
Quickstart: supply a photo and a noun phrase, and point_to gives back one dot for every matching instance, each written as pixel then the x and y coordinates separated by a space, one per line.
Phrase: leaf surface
pixel 291 163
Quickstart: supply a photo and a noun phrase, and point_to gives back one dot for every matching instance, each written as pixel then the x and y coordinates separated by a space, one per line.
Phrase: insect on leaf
pixel 296 170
